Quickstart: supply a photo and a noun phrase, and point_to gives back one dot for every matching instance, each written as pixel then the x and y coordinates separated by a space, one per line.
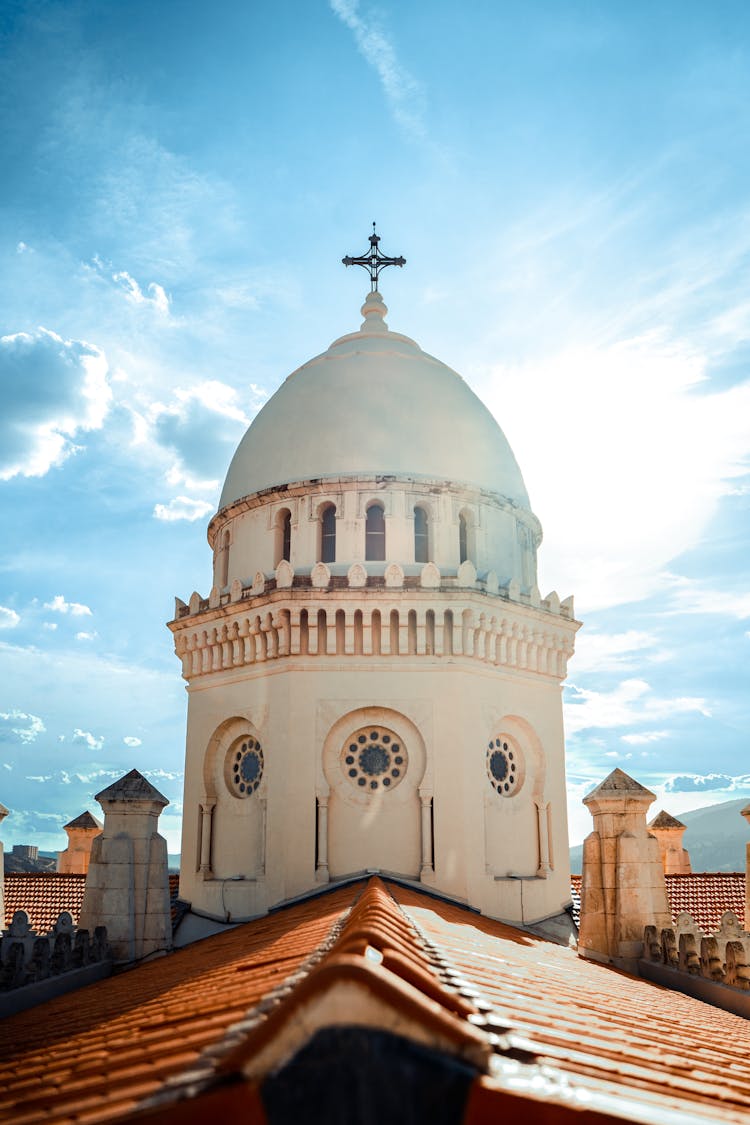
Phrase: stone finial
pixel 623 888
pixel 127 886
pixel 668 832
pixel 82 832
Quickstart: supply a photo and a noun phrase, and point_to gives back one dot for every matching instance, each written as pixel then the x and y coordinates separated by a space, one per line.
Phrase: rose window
pixel 245 767
pixel 503 766
pixel 374 759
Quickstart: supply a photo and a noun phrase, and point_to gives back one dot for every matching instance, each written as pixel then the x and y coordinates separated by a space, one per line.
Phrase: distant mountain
pixel 716 837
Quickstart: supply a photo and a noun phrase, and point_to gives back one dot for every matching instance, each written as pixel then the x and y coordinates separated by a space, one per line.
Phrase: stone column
pixel 746 813
pixel 623 888
pixel 427 868
pixel 668 832
pixel 81 835
pixel 127 886
pixel 543 830
pixel 321 871
pixel 207 812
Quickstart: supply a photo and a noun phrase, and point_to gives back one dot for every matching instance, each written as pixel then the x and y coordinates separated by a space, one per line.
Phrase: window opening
pixel 421 554
pixel 375 534
pixel 328 535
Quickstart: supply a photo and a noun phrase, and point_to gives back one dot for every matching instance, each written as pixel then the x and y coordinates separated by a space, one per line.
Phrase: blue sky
pixel 569 185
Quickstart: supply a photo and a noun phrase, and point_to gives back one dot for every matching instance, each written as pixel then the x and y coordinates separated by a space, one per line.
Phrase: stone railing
pixel 29 958
pixel 723 957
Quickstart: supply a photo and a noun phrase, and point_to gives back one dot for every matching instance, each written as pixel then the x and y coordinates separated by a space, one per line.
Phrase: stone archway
pixel 374 762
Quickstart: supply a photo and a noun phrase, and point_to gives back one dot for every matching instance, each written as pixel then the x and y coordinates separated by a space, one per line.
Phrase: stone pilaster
pixel 623 888
pixel 127 886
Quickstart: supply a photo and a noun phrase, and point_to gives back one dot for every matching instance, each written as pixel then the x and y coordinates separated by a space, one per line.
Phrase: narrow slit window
pixel 328 535
pixel 463 539
pixel 421 552
pixel 286 536
pixel 375 534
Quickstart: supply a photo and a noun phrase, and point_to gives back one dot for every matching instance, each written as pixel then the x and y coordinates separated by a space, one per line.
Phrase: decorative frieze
pixel 723 957
pixel 27 957
pixel 433 626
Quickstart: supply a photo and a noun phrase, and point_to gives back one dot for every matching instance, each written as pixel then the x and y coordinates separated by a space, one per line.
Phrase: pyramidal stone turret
pixel 82 831
pixel 669 832
pixel 127 886
pixel 623 888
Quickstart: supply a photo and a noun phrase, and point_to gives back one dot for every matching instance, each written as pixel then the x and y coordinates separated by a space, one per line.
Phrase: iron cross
pixel 374 261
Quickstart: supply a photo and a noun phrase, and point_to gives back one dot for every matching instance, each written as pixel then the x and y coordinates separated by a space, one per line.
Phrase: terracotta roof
pixel 94 1054
pixel 544 1023
pixel 704 895
pixel 45 894
pixel 590 1022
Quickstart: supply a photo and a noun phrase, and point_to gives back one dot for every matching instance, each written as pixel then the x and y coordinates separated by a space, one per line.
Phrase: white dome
pixel 374 404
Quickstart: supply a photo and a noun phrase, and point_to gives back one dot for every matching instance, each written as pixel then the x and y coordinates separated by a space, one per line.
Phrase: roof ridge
pixel 375 951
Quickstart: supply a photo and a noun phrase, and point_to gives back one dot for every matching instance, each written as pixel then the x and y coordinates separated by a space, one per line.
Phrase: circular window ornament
pixel 504 766
pixel 373 759
pixel 244 767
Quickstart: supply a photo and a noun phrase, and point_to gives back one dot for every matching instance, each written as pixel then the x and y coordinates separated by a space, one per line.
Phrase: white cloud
pixel 627 705
pixel 86 738
pixel 690 596
pixel 183 508
pixel 645 737
pixel 403 92
pixel 86 636
pixel 8 618
pixel 50 625
pixel 76 609
pixel 131 740
pixel 647 451
pixel 613 652
pixel 23 248
pixel 199 429
pixel 52 389
pixel 154 297
pixel 699 783
pixel 28 729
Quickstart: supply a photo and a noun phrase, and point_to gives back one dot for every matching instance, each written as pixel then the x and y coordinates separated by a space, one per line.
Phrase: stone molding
pixel 300 623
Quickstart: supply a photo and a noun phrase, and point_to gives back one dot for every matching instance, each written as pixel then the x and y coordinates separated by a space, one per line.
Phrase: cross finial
pixel 373 261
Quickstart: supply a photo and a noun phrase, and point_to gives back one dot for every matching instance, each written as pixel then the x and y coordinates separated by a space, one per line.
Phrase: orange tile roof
pixel 94 1054
pixel 45 894
pixel 705 895
pixel 568 1031
pixel 591 1022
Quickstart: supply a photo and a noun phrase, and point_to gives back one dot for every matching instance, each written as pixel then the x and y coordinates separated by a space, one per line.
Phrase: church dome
pixel 374 404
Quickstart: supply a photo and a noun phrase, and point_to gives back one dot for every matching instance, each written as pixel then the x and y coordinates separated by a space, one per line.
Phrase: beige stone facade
pixel 374 680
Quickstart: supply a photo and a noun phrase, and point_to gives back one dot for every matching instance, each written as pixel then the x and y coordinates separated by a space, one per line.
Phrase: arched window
pixel 328 535
pixel 375 534
pixel 283 536
pixel 421 546
pixel 463 538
